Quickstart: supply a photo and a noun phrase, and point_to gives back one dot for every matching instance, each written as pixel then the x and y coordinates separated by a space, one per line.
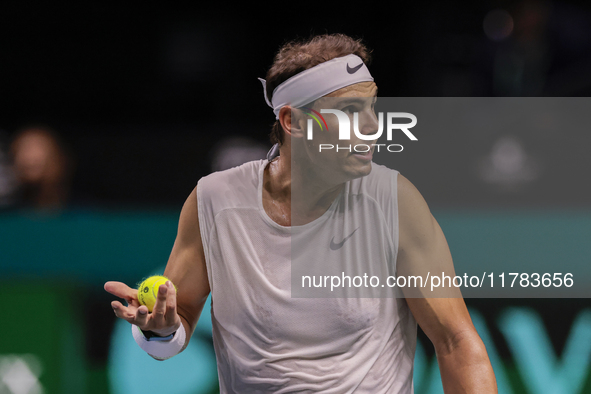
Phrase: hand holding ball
pixel 147 291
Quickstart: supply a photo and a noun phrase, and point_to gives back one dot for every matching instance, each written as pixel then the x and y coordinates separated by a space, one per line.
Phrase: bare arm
pixel 443 316
pixel 186 269
pixel 186 266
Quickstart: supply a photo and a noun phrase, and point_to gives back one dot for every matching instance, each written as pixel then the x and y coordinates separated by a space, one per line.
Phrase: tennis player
pixel 236 239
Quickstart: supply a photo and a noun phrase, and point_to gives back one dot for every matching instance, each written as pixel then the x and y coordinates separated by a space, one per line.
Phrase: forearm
pixel 465 367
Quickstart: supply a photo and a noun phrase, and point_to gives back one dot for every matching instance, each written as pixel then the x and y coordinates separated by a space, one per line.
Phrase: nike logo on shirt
pixel 335 246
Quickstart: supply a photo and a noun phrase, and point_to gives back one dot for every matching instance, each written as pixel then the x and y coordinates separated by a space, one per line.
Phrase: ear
pixel 290 120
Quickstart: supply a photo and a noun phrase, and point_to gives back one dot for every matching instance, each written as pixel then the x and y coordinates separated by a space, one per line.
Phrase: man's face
pixel 348 158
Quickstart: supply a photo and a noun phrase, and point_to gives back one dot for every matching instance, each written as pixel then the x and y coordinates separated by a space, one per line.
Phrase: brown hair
pixel 297 56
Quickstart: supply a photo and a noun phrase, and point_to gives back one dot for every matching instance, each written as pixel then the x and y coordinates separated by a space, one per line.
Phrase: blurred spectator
pixel 42 168
pixel 7 183
pixel 522 63
pixel 535 48
pixel 234 151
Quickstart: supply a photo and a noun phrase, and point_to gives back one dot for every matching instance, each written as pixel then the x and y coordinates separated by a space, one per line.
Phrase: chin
pixel 360 170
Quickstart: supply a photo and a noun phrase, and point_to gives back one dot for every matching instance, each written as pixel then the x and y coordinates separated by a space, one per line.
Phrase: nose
pixel 367 125
pixel 369 122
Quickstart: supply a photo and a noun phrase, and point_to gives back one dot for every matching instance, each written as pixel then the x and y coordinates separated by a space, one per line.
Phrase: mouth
pixel 365 156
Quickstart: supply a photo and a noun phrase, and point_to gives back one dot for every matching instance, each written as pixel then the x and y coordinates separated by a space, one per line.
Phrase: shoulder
pixel 236 186
pixel 243 174
pixel 417 224
pixel 409 197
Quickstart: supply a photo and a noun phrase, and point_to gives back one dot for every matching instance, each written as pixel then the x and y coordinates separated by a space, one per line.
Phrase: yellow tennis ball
pixel 147 291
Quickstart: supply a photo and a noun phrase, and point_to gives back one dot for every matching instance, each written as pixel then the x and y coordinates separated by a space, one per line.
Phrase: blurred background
pixel 109 115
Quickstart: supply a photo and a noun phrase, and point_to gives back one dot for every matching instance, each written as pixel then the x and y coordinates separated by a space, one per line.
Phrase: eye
pixel 349 109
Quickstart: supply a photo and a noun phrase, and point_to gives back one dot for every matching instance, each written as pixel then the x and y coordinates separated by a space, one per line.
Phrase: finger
pixel 124 312
pixel 160 307
pixel 121 290
pixel 170 315
pixel 141 316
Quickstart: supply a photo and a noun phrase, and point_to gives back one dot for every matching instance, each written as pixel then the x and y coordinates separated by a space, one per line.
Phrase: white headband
pixel 317 81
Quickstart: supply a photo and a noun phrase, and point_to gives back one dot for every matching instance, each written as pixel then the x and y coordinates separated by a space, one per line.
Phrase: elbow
pixel 466 341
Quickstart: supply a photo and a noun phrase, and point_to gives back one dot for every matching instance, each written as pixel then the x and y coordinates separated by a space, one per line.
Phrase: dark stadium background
pixel 142 94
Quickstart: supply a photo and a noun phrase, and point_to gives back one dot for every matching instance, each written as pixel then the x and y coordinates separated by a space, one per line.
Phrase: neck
pixel 296 195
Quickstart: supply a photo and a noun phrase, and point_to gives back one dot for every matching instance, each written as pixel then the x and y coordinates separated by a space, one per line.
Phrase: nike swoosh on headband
pixel 353 70
pixel 316 82
pixel 335 246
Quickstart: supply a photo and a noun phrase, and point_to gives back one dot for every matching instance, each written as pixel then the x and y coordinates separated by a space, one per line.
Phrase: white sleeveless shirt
pixel 268 342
